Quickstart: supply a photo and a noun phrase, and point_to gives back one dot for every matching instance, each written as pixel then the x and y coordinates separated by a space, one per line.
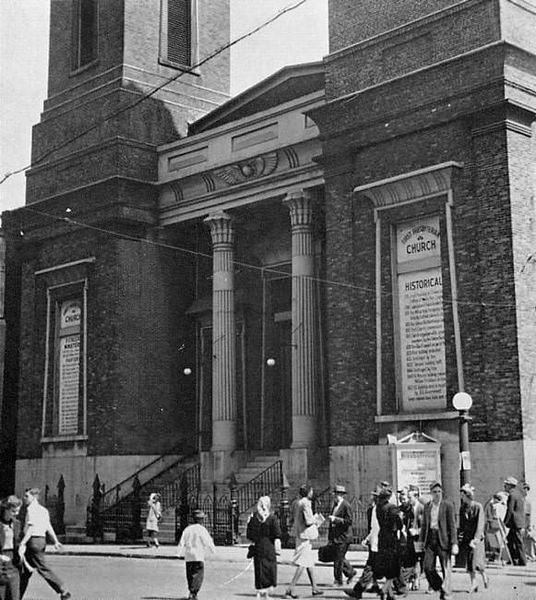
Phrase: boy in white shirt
pixel 194 542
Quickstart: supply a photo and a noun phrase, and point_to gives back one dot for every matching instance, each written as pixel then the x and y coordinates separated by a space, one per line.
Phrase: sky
pixel 297 36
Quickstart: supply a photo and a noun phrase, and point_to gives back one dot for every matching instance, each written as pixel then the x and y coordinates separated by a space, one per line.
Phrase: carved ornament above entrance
pixel 253 168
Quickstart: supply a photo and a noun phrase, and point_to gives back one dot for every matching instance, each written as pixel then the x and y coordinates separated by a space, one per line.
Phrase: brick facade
pixel 426 93
pixel 407 91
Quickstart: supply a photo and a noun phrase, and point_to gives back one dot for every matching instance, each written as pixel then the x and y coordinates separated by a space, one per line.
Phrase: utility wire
pixel 245 265
pixel 156 89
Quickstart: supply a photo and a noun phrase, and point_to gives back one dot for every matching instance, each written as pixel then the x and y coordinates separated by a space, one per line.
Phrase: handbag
pixel 310 533
pixel 327 554
pixel 251 551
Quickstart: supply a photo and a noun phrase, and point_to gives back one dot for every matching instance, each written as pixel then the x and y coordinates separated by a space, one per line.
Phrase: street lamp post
pixel 462 402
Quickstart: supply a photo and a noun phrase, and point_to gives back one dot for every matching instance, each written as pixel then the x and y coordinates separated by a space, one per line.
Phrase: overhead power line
pixel 321 280
pixel 154 90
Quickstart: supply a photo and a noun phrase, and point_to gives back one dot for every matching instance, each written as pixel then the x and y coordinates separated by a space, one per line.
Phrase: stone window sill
pixel 417 416
pixel 63 438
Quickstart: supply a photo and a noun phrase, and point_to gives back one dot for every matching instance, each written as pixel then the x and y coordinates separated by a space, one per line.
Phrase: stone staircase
pixel 255 465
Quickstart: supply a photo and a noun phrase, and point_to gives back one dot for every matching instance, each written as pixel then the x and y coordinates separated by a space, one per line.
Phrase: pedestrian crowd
pixel 409 534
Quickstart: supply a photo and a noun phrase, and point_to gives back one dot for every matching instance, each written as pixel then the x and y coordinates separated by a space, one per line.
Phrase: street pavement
pixel 134 572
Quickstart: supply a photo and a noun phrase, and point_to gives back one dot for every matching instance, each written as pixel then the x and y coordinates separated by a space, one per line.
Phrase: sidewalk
pixel 224 553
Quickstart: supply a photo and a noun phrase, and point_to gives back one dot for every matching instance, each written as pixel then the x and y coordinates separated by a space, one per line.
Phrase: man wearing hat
pixel 515 521
pixel 194 543
pixel 340 534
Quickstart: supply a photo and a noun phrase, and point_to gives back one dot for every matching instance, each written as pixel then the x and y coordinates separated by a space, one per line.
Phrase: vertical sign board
pixel 69 366
pixel 420 304
pixel 418 464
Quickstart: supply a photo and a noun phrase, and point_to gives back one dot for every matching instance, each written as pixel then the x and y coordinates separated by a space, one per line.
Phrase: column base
pixel 223 435
pixel 304 431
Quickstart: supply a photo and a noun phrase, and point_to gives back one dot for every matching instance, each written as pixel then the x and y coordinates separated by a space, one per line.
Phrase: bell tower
pixel 104 302
pixel 123 79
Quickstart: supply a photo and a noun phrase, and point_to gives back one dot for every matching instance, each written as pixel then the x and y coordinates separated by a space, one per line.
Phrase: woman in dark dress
pixel 388 558
pixel 472 536
pixel 263 530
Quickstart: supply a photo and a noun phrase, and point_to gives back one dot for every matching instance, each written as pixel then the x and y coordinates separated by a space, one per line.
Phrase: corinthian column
pixel 303 337
pixel 223 333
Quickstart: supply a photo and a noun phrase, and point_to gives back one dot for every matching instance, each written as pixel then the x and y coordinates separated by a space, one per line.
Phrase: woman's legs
pixel 294 580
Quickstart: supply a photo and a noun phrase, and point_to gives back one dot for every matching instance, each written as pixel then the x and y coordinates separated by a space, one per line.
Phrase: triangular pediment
pixel 287 84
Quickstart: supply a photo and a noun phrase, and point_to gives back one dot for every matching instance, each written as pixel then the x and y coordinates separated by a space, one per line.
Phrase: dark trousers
pixel 35 556
pixel 514 540
pixel 10 588
pixel 367 576
pixel 195 571
pixel 340 564
pixel 431 552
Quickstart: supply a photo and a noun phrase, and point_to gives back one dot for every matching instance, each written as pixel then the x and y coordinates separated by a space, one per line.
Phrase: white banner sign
pixel 422 330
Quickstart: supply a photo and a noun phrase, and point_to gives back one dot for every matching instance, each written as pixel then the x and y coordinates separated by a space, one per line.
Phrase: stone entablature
pixel 240 162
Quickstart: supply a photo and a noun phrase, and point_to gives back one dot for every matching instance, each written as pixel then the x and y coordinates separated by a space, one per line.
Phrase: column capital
pixel 221 228
pixel 300 205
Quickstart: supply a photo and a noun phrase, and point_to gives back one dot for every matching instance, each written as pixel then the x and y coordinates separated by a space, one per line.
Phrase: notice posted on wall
pixel 69 378
pixel 422 340
pixel 419 465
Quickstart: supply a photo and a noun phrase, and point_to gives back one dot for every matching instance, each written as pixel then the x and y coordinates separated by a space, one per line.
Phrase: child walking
pixel 194 542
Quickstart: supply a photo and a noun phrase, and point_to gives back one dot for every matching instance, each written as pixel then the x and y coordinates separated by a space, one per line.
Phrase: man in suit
pixel 340 534
pixel 439 539
pixel 515 522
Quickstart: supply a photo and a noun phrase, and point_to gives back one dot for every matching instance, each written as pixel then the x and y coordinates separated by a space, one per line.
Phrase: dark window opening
pixel 84 32
pixel 179 32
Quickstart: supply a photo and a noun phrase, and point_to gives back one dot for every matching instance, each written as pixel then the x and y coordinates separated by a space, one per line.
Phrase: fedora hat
pixel 339 489
pixel 511 480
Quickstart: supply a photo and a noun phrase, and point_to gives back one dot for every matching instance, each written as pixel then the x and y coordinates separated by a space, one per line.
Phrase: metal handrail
pixel 264 484
pixel 113 495
pixel 185 485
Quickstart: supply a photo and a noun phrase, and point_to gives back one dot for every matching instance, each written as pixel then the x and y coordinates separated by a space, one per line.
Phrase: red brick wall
pixel 138 400
pixel 352 21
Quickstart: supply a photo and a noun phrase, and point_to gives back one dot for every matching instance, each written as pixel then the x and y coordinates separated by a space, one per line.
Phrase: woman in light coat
pixel 304 557
pixel 153 517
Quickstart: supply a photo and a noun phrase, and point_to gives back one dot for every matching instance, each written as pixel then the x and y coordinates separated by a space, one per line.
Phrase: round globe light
pixel 270 362
pixel 187 371
pixel 462 401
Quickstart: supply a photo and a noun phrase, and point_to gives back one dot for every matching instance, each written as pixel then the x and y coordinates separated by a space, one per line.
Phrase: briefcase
pixel 327 553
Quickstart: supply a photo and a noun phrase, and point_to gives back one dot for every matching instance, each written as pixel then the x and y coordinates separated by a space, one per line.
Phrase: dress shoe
pixel 289 594
pixel 318 593
pixel 350 577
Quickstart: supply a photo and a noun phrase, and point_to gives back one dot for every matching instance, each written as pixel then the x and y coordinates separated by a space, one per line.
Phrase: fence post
pixel 283 513
pixel 135 529
pixel 117 512
pixel 233 511
pixel 95 527
pixel 60 510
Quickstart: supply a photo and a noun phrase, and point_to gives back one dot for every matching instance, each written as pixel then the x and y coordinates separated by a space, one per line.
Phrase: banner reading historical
pixel 422 330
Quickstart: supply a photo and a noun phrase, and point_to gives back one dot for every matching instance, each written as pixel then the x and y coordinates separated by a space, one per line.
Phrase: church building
pixel 304 274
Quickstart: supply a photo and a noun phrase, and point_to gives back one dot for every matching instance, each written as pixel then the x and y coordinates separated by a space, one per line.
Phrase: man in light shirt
pixel 33 544
pixel 195 542
pixel 367 580
pixel 439 539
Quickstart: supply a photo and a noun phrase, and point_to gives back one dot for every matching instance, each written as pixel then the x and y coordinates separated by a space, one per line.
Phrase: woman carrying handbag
pixel 304 529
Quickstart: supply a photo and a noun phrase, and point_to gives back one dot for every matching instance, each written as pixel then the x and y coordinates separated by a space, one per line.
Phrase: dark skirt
pixel 265 564
pixel 473 558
